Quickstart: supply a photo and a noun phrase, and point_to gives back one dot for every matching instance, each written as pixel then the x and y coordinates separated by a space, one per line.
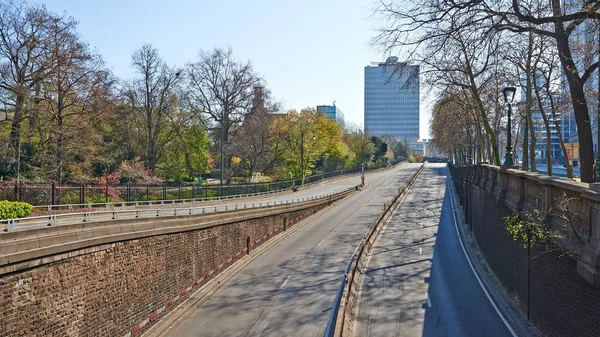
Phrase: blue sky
pixel 310 52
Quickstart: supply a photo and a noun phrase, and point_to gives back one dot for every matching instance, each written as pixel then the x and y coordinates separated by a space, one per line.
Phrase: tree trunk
pixel 15 132
pixel 580 108
pixel 59 151
pixel 560 136
pixel 547 125
pixel 532 142
pixel 525 166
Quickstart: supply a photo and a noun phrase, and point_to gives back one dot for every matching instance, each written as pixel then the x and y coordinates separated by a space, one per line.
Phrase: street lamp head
pixel 509 94
pixel 314 137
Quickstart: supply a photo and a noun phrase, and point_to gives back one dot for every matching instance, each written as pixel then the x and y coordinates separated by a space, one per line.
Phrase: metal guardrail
pixel 151 202
pixel 181 201
pixel 335 308
pixel 86 217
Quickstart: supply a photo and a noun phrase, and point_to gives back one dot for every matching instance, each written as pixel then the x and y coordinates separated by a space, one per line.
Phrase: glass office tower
pixel 392 101
pixel 331 112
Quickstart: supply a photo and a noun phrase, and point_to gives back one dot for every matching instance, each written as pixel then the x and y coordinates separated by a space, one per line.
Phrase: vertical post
pixel 128 191
pixel 53 201
pixel 528 269
pixel 179 191
pixel 81 195
pixel 302 157
pixel 17 190
pixel 193 190
pixel 222 159
pixel 106 191
pixel 147 192
pixel 164 192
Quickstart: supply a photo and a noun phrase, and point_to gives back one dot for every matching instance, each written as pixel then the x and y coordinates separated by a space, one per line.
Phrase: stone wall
pixel 560 295
pixel 121 288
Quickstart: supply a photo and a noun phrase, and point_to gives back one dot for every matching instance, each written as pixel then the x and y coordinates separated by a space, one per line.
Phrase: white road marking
pixel 487 294
pixel 420 250
pixel 428 300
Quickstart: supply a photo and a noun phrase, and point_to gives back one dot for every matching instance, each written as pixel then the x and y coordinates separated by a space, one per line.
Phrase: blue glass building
pixel 331 112
pixel 392 101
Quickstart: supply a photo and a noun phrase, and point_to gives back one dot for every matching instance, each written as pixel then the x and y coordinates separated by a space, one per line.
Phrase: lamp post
pixel 509 96
pixel 302 155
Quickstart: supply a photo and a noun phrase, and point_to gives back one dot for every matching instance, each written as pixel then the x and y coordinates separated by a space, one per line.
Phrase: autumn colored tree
pixel 308 132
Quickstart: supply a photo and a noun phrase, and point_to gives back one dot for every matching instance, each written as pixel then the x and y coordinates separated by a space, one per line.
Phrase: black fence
pixel 544 284
pixel 71 193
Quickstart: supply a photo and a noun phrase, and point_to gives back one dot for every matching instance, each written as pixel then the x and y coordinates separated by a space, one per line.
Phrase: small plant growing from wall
pixel 536 231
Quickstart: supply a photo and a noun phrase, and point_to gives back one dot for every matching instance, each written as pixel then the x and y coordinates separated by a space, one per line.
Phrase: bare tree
pixel 68 93
pixel 221 88
pixel 252 142
pixel 414 24
pixel 152 102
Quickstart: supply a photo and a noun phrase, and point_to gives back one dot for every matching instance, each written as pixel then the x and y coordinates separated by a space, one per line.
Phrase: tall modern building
pixel 392 101
pixel 331 112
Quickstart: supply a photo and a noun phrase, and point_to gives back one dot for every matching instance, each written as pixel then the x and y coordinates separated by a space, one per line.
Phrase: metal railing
pixel 44 195
pixel 358 253
pixel 96 216
pixel 122 204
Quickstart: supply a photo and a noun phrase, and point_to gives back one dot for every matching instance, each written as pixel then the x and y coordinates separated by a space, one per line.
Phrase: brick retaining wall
pixel 124 287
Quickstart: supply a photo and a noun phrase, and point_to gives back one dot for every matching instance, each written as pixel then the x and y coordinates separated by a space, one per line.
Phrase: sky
pixel 310 52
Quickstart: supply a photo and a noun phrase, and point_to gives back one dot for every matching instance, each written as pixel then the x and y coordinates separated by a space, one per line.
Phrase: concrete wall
pixel 119 284
pixel 559 294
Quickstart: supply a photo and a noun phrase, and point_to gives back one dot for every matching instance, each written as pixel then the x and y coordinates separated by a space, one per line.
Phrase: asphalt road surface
pixel 289 290
pixel 418 281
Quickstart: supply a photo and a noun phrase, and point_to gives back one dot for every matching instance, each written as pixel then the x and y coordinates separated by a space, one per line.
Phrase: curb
pixel 499 298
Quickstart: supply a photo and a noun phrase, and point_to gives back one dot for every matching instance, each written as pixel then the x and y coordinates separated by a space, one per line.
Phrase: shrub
pixel 415 158
pixel 14 209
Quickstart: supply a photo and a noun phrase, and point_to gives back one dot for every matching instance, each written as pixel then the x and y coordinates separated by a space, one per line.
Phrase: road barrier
pixel 87 217
pixel 312 180
pixel 349 284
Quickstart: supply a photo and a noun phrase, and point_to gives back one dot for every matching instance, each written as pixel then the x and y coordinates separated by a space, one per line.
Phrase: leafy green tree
pixel 361 146
pixel 186 155
pixel 315 135
pixel 381 148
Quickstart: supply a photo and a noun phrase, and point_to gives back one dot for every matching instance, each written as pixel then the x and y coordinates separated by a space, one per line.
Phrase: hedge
pixel 14 209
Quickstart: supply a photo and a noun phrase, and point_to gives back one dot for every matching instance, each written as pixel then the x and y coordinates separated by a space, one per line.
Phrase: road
pixel 288 291
pixel 418 281
pixel 557 170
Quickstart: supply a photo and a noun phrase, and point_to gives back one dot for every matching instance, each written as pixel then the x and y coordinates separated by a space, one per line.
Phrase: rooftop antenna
pixel 333 103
